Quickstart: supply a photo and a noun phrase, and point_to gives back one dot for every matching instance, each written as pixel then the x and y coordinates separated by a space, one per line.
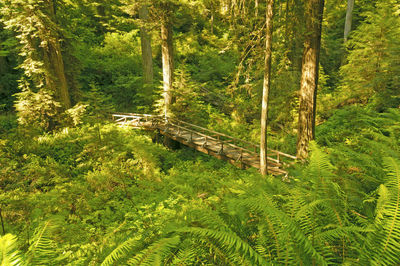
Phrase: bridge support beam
pixel 171 143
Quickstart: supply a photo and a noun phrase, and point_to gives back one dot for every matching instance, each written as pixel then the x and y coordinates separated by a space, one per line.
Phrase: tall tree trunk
pixel 57 80
pixel 266 88
pixel 57 64
pixel 147 58
pixel 167 61
pixel 349 15
pixel 309 76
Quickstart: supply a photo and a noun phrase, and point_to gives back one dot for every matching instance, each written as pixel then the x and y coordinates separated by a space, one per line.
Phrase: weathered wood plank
pixel 216 144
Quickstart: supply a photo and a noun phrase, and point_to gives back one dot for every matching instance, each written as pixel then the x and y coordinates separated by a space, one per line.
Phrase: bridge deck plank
pixel 216 144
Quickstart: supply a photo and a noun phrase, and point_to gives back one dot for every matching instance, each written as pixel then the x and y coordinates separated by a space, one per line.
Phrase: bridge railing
pixel 244 147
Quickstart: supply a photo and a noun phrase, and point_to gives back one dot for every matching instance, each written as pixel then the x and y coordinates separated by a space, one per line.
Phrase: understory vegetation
pixel 101 194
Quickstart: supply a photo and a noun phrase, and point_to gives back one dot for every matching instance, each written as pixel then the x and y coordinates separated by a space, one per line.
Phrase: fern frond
pixel 319 165
pixel 289 227
pixel 229 241
pixel 209 219
pixel 9 254
pixel 185 256
pixel 337 233
pixel 384 243
pixel 42 250
pixel 120 252
pixel 156 252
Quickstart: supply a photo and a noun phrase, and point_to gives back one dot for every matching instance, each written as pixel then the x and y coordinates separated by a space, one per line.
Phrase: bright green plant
pixel 9 254
pixel 372 71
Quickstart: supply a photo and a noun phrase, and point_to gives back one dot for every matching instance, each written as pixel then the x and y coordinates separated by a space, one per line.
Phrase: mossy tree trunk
pixel 54 64
pixel 147 58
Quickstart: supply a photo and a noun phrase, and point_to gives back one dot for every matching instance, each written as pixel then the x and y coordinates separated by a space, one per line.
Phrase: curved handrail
pixel 217 136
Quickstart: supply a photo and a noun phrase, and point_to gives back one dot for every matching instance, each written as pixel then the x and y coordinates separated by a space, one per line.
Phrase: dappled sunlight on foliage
pixel 119 198
pixel 79 189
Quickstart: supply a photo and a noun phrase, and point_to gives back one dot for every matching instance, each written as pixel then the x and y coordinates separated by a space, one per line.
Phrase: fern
pixel 156 252
pixel 43 250
pixel 289 229
pixel 229 242
pixel 383 246
pixel 9 254
pixel 120 252
pixel 186 256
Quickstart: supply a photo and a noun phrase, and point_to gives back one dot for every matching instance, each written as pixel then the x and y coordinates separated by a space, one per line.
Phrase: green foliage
pixel 120 199
pixel 43 250
pixel 98 106
pixel 372 70
pixel 8 72
pixel 382 246
pixel 376 137
pixel 189 105
pixel 114 69
pixel 120 252
pixel 9 254
pixel 37 109
pixel 91 193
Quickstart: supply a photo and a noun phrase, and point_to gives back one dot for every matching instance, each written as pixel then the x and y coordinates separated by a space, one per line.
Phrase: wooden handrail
pixel 203 132
pixel 235 139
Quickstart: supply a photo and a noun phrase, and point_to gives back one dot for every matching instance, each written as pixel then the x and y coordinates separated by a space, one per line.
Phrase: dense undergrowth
pixel 106 195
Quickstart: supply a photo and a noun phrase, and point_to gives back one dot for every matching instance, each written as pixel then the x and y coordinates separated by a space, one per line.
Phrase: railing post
pixel 205 142
pixel 241 159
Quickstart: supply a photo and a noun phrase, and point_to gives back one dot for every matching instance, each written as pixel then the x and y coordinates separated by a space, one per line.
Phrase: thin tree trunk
pixel 167 62
pixel 266 88
pixel 2 222
pixel 256 8
pixel 147 58
pixel 349 15
pixel 309 76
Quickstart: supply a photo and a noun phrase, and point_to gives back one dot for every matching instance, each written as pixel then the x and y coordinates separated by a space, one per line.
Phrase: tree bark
pixel 56 78
pixel 266 88
pixel 147 58
pixel 167 62
pixel 349 15
pixel 309 76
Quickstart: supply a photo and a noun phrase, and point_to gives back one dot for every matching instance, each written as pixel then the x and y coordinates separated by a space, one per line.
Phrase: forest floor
pixel 101 185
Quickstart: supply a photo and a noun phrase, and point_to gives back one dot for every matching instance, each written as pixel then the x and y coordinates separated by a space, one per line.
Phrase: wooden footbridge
pixel 236 151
